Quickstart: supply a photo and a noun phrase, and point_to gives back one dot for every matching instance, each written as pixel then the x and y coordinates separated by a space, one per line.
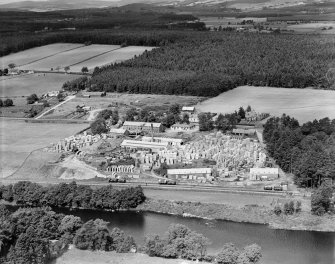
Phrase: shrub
pixel 277 210
pixel 8 102
pixel 32 98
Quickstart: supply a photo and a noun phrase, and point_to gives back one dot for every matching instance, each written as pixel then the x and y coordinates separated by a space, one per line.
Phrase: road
pixel 52 108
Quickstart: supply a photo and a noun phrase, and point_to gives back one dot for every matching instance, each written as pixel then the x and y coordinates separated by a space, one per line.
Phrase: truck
pixel 118 180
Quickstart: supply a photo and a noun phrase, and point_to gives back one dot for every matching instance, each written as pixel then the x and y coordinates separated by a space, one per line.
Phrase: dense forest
pixel 24 30
pixel 308 150
pixel 209 63
pixel 72 196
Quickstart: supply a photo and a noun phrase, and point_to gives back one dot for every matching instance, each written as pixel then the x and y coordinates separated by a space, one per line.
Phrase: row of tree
pixel 38 235
pixel 207 63
pixel 307 151
pixel 181 242
pixel 72 195
pixel 6 103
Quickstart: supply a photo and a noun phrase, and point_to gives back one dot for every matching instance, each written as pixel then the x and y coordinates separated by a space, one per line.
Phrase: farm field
pixel 61 55
pixel 18 139
pixel 302 104
pixel 25 85
pixel 69 58
pixel 114 56
pixel 314 27
pixel 30 55
pixel 124 101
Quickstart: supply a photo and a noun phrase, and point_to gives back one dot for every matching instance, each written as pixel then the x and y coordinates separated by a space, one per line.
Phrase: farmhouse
pixel 143 126
pixel 171 141
pixel 143 145
pixel 183 127
pixel 189 109
pixel 264 173
pixel 191 174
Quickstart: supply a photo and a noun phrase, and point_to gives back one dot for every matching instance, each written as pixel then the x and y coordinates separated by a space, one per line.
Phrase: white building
pixel 189 109
pixel 183 127
pixel 143 145
pixel 171 141
pixel 263 173
pixel 192 173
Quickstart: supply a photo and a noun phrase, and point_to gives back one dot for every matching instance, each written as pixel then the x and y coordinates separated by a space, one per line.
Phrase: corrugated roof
pixel 189 171
pixel 143 144
pixel 188 108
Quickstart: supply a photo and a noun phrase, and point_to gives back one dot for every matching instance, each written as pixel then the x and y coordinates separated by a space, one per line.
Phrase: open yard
pixel 25 85
pixel 18 139
pixel 124 101
pixel 302 104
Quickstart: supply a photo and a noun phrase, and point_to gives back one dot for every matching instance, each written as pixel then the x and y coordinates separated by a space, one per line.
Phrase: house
pixel 191 174
pixel 119 131
pixel 188 109
pixel 134 126
pixel 194 119
pixel 143 145
pixel 171 141
pixel 264 174
pixel 182 127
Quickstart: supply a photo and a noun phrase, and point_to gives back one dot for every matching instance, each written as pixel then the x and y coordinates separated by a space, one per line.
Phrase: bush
pixel 321 199
pixel 277 210
pixel 32 98
pixel 298 207
pixel 8 102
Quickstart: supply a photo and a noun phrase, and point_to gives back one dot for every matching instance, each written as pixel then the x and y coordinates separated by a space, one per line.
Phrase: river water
pixel 278 246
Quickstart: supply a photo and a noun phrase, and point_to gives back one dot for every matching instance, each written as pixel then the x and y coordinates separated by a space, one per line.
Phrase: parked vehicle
pixel 121 180
pixel 167 182
pixel 268 188
pixel 278 188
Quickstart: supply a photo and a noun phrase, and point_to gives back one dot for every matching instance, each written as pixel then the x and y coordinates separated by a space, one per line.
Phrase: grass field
pixel 76 256
pixel 25 85
pixel 314 27
pixel 60 55
pixel 111 57
pixel 125 101
pixel 28 56
pixel 69 58
pixel 18 139
pixel 302 104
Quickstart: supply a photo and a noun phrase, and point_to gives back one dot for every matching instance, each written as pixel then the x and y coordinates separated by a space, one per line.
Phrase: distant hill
pixel 241 5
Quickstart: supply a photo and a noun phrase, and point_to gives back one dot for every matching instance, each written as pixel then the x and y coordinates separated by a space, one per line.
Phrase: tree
pixel 205 122
pixel 175 109
pixel 32 98
pixel 84 70
pixel 99 127
pixel 66 68
pixel 1 103
pixel 93 235
pixel 228 254
pixel 253 253
pixel 248 108
pixel 321 199
pixel 277 210
pixel 8 102
pixel 11 66
pixel 186 118
pixel 130 114
pixel 60 97
pixel 70 224
pixel 241 112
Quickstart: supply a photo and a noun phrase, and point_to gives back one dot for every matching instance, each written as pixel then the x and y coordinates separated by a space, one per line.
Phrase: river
pixel 278 246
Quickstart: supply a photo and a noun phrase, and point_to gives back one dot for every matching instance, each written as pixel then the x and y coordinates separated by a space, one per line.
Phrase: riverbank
pixel 76 256
pixel 247 214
